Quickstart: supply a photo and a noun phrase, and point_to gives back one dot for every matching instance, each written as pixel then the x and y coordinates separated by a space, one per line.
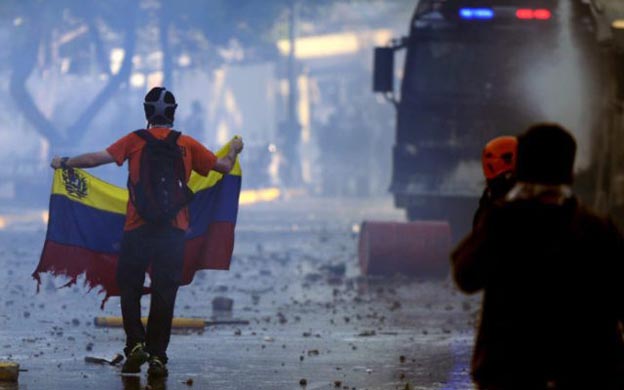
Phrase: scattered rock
pixel 367 333
pixel 189 382
pixel 335 270
pixel 313 352
pixel 222 304
pixel 303 382
pixel 313 277
pixel 97 360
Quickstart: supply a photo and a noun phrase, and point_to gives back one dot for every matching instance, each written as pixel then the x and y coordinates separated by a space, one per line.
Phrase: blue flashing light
pixel 476 13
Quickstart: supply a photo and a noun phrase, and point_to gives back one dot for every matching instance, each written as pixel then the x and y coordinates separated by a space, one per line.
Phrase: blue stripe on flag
pixel 76 224
pixel 215 204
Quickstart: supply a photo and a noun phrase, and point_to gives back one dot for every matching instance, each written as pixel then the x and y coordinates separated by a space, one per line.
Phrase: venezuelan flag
pixel 87 216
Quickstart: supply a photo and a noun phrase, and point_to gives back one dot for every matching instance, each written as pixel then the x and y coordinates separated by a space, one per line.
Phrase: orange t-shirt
pixel 129 147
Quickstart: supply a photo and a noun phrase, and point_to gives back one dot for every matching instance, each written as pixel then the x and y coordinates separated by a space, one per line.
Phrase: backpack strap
pixel 172 137
pixel 145 135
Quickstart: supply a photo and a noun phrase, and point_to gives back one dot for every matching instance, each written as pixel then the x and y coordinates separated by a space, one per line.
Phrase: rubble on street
pixel 304 315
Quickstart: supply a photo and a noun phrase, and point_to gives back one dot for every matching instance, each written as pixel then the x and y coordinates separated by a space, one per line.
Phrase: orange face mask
pixel 499 156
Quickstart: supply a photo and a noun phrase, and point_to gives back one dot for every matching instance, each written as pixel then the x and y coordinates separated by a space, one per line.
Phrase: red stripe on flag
pixel 72 261
pixel 212 250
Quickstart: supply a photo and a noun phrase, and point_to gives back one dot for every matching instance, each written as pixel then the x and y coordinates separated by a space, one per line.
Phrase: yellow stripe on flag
pixel 87 189
pixel 197 182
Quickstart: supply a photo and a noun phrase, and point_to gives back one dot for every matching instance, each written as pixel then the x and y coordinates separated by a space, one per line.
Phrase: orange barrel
pixel 419 248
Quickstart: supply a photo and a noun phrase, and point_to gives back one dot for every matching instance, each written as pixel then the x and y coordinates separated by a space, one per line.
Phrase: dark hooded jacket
pixel 552 273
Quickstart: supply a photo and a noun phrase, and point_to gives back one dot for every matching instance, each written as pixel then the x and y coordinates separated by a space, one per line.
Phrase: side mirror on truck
pixel 617 33
pixel 383 70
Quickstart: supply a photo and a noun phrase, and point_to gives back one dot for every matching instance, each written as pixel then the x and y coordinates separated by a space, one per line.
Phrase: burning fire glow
pixel 248 197
pixel 32 218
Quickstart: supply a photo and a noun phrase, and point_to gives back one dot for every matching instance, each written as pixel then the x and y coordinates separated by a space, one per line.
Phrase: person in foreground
pixel 160 161
pixel 551 273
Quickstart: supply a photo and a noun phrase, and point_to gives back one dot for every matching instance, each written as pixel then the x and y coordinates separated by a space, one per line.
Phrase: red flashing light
pixel 542 14
pixel 525 14
pixel 529 14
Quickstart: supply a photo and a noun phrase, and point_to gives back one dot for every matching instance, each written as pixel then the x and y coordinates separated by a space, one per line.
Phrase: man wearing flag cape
pixel 160 233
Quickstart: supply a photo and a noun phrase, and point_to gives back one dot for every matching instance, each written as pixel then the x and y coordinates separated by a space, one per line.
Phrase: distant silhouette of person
pixel 194 123
pixel 551 271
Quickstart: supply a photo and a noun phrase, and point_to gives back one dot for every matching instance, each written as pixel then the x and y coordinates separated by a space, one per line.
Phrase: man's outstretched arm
pixel 87 160
pixel 225 164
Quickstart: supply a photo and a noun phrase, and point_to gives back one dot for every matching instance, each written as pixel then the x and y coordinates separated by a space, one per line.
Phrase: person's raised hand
pixel 56 162
pixel 237 144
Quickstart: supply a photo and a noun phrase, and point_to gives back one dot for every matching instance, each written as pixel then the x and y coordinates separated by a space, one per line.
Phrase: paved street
pixel 294 277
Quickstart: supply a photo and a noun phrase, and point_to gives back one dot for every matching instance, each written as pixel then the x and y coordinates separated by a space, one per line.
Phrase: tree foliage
pixel 41 33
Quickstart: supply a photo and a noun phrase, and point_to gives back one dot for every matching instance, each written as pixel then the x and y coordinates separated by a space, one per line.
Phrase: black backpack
pixel 161 191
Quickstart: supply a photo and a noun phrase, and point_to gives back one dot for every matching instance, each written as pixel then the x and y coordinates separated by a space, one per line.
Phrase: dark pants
pixel 162 248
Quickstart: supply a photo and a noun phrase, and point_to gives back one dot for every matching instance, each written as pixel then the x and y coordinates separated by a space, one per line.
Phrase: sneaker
pixel 135 358
pixel 157 368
